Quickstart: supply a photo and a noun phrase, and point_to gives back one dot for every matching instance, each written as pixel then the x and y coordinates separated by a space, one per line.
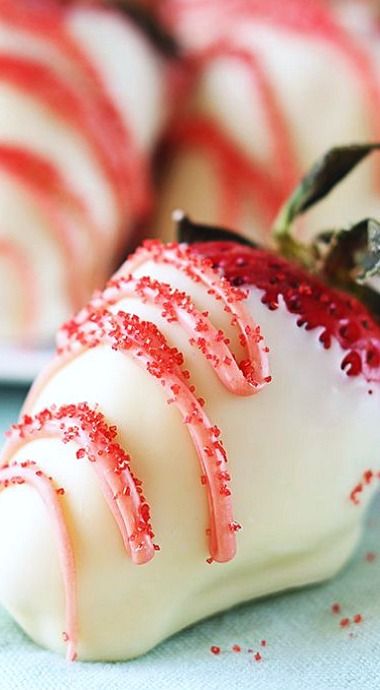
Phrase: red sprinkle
pixel 257 656
pixel 215 650
pixel 358 618
pixel 336 608
pixel 367 478
pixel 344 622
pixel 236 648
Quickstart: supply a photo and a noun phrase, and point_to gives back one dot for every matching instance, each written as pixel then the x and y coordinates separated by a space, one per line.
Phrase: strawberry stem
pixel 347 256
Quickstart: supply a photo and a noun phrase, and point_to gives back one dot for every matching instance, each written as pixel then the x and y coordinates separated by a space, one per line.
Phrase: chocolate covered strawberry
pixel 207 433
pixel 272 85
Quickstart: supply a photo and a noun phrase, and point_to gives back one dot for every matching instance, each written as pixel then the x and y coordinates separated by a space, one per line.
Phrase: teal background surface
pixel 305 645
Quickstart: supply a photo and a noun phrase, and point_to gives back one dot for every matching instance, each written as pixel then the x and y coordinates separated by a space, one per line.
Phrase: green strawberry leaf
pixel 346 258
pixel 327 172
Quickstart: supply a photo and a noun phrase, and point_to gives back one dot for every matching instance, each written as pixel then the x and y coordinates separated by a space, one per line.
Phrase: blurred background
pixel 112 114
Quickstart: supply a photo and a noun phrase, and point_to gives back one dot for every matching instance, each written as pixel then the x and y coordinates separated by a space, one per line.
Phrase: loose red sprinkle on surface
pixel 336 608
pixel 263 643
pixel 236 648
pixel 257 656
pixel 367 478
pixel 344 622
pixel 358 618
pixel 215 650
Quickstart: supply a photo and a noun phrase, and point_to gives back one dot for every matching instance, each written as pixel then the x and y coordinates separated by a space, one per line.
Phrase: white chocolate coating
pixel 321 94
pixel 131 77
pixel 295 452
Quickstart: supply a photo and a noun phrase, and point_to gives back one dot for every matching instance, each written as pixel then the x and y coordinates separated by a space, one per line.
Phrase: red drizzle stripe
pixel 29 473
pixel 237 174
pixel 131 166
pixel 43 183
pixel 21 266
pixel 284 159
pixel 96 440
pixel 39 173
pixel 45 85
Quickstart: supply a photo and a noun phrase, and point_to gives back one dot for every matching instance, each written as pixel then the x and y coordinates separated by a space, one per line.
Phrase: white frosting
pixel 295 450
pixel 133 78
pixel 322 100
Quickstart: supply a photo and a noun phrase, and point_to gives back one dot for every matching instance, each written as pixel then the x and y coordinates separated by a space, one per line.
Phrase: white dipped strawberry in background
pixel 206 434
pixel 272 85
pixel 83 98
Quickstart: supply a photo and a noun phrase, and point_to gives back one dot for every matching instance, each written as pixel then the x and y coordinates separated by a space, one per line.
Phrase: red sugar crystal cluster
pixel 367 478
pixel 346 621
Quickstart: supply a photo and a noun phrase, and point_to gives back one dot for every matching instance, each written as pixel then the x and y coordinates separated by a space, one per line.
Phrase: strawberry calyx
pixel 346 258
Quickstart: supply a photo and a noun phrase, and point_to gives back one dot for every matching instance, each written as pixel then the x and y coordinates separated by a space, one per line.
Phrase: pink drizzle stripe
pixel 177 307
pixel 200 270
pixel 29 473
pixel 145 344
pixel 129 335
pixel 111 465
pixel 96 325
